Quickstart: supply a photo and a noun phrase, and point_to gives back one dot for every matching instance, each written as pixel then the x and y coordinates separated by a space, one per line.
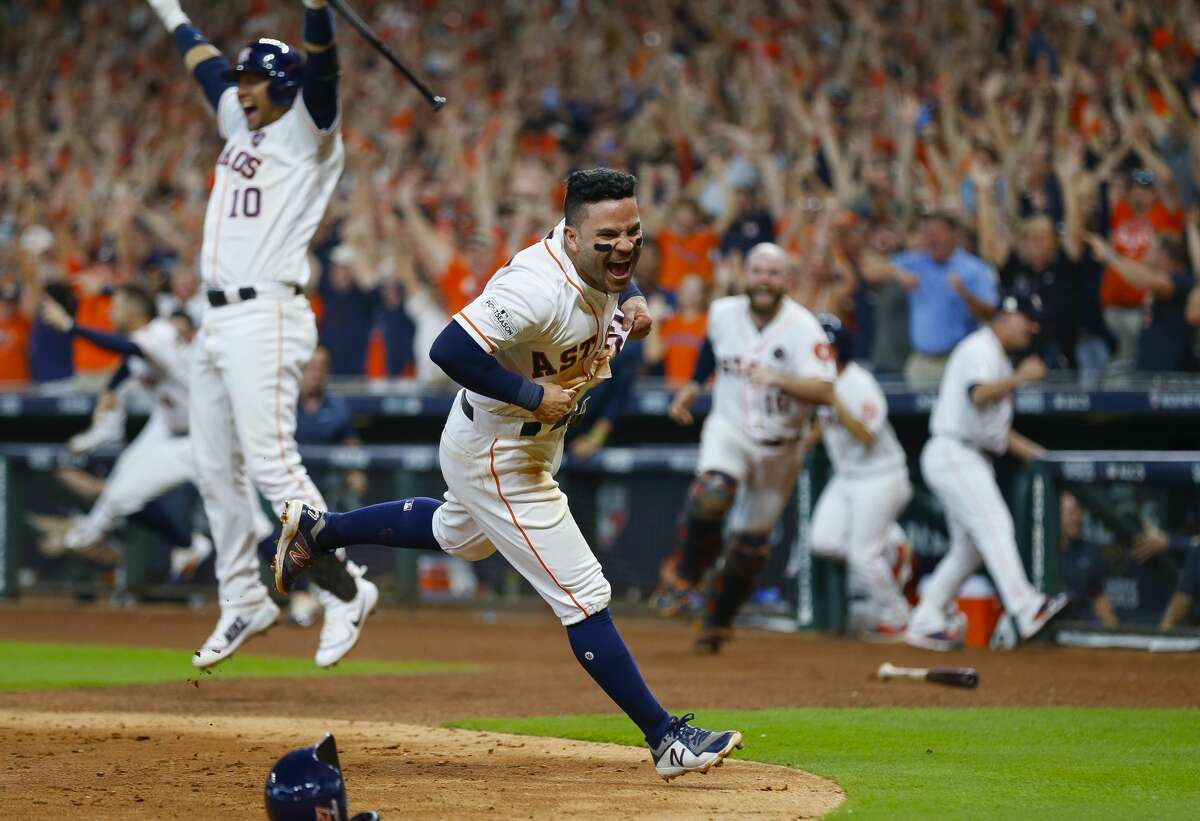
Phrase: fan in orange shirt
pixel 14 341
pixel 676 340
pixel 687 246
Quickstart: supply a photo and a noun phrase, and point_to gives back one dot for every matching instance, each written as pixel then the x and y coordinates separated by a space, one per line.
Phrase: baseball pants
pixel 766 475
pixel 852 521
pixel 502 496
pixel 244 389
pixel 981 529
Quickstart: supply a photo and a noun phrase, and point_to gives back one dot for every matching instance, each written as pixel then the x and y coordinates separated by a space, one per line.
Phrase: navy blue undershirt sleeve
pixel 208 73
pixel 706 363
pixel 119 375
pixel 320 68
pixel 629 293
pixel 110 342
pixel 456 353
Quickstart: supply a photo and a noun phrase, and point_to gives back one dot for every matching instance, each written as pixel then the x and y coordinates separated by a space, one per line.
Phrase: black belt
pixel 527 429
pixel 218 299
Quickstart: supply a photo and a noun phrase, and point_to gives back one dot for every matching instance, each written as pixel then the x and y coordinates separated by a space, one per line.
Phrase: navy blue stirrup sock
pixel 602 652
pixel 158 518
pixel 403 523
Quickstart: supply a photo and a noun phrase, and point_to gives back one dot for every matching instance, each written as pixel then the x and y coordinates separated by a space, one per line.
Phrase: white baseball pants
pixel 502 496
pixel 852 521
pixel 244 389
pixel 766 475
pixel 981 528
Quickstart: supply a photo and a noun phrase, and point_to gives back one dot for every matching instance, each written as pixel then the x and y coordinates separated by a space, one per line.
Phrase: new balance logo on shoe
pixel 235 629
pixel 676 757
pixel 299 555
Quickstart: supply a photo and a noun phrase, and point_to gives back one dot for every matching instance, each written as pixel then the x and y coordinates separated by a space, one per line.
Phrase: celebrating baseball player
pixel 855 516
pixel 525 350
pixel 773 363
pixel 972 419
pixel 158 354
pixel 283 154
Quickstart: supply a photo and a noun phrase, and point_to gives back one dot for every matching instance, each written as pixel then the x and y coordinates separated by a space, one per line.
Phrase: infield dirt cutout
pixel 119 765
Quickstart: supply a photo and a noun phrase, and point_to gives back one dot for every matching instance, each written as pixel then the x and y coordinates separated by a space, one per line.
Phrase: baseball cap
pixel 1022 302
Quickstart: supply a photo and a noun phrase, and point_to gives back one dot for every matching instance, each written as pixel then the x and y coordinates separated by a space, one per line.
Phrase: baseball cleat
pixel 233 628
pixel 884 633
pixel 687 749
pixel 186 560
pixel 943 641
pixel 711 639
pixel 1051 607
pixel 297 545
pixel 344 619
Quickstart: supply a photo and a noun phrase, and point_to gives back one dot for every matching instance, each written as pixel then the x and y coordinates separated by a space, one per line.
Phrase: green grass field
pixel 36 665
pixel 959 763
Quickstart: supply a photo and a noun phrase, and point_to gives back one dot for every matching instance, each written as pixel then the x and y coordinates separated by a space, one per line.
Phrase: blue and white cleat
pixel 297 546
pixel 687 749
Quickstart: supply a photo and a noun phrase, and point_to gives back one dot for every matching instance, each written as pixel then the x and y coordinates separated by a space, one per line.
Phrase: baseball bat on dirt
pixel 966 677
pixel 360 25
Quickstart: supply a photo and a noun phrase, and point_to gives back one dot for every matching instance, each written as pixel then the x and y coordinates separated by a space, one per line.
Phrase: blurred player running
pixel 855 516
pixel 283 154
pixel 541 332
pixel 158 354
pixel 773 364
pixel 972 419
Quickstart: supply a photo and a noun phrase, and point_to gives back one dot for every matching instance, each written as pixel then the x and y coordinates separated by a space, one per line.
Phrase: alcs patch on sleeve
pixel 501 315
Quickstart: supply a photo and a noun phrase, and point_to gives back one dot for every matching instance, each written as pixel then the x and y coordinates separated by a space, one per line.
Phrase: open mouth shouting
pixel 250 110
pixel 620 270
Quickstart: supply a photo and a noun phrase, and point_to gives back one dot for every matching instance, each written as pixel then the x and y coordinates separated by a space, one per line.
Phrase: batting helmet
pixel 277 61
pixel 307 785
pixel 840 337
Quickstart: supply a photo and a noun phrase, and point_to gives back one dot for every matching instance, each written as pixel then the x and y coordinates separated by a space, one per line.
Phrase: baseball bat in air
pixel 966 677
pixel 360 25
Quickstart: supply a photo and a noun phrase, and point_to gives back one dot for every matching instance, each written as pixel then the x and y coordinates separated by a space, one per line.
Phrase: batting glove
pixel 169 12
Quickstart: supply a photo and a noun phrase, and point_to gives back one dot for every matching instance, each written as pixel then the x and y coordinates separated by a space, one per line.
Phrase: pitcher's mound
pixel 148 765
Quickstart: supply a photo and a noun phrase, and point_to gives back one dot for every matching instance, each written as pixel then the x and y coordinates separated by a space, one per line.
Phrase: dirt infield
pixel 85 751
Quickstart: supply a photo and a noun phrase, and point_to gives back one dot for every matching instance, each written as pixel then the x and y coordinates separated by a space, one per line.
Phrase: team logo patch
pixel 258 137
pixel 823 351
pixel 501 316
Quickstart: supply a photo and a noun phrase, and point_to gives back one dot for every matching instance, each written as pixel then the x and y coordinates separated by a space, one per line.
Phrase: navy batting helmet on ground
pixel 307 785
pixel 840 337
pixel 277 61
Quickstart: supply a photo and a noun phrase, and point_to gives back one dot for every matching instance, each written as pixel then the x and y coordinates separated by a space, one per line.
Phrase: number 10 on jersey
pixel 247 202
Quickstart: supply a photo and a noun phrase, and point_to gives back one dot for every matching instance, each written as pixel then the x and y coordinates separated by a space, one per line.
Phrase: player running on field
pixel 773 363
pixel 158 354
pixel 971 420
pixel 524 350
pixel 283 154
pixel 855 515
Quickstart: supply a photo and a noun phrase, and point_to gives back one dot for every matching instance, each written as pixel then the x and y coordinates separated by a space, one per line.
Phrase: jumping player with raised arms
pixel 773 364
pixel 283 154
pixel 539 335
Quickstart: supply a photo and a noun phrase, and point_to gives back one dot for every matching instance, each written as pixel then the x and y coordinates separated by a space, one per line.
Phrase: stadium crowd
pixel 916 158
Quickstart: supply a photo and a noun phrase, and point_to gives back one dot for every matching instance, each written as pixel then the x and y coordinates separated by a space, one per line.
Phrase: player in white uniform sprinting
pixel 158 354
pixel 524 350
pixel 855 516
pixel 973 417
pixel 283 154
pixel 773 364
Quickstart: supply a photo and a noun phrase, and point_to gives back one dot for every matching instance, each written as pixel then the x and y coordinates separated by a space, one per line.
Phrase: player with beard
pixel 773 364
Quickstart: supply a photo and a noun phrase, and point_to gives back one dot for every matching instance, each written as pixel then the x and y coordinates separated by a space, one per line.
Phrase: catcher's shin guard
pixel 699 534
pixel 747 556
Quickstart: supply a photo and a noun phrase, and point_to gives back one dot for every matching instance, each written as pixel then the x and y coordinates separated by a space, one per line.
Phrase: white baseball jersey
pixel 540 319
pixel 792 342
pixel 862 396
pixel 271 188
pixel 977 359
pixel 165 370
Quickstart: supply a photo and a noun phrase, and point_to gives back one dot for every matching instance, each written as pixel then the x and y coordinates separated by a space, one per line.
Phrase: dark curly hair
pixel 595 185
